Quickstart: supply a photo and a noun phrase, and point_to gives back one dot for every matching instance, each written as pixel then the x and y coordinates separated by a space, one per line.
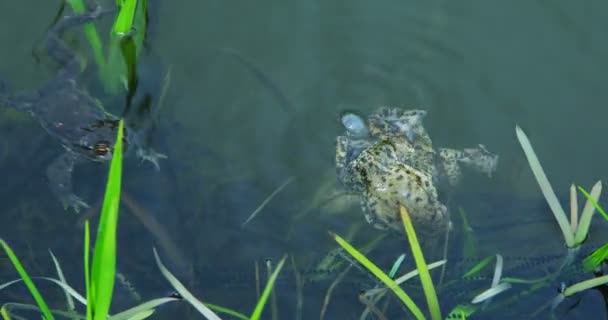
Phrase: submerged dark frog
pixel 390 160
pixel 70 114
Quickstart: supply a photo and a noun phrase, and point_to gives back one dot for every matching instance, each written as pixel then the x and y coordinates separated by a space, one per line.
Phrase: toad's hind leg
pixel 56 47
pixel 450 168
pixel 59 174
pixel 478 159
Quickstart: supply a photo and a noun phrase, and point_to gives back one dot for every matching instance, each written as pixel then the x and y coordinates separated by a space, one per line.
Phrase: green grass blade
pixel 425 276
pixel 28 281
pixel 545 187
pixel 596 258
pixel 227 311
pixel 588 210
pixel 91 34
pixel 104 256
pixel 124 21
pixel 4 313
pixel 597 206
pixel 259 307
pixel 407 301
pixel 584 285
pixel 87 270
pixel 181 289
pixel 478 267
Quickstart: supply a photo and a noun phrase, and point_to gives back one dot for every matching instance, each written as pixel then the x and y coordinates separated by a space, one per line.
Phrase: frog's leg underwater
pixel 59 174
pixel 57 48
pixel 478 159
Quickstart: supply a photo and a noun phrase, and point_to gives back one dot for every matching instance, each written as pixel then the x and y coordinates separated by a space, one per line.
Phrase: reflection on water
pixel 254 99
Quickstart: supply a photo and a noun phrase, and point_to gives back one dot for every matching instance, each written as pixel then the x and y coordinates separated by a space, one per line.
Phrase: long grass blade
pixel 496 277
pixel 369 265
pixel 91 34
pixel 573 208
pixel 144 307
pixel 22 306
pixel 10 283
pixel 330 290
pixel 421 266
pixel 87 270
pixel 67 289
pixel 104 256
pixel 588 211
pixel 478 267
pixel 493 291
pixel 68 297
pixel 181 289
pixel 259 307
pixel 28 281
pixel 405 277
pixel 124 21
pixel 595 204
pixel 584 285
pixel 227 311
pixel 4 313
pixel 265 202
pixel 545 187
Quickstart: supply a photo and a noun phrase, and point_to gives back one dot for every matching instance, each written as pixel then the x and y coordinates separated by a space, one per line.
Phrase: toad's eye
pixel 101 148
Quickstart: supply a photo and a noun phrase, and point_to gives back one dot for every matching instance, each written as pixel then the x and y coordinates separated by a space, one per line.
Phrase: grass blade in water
pixel 104 256
pixel 68 297
pixel 28 281
pixel 257 312
pixel 144 307
pixel 425 276
pixel 588 210
pixel 545 187
pixel 181 289
pixel 404 297
pixel 124 21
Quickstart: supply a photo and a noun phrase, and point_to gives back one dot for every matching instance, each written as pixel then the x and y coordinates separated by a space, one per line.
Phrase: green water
pixel 233 136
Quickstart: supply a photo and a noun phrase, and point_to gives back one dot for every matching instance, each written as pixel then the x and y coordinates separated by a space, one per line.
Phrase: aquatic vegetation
pixel 376 271
pixel 425 277
pixel 575 232
pixel 99 281
pixel 124 45
pixel 28 281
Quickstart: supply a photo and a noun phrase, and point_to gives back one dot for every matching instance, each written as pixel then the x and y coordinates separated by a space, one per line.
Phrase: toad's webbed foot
pixel 152 156
pixel 73 201
pixel 59 174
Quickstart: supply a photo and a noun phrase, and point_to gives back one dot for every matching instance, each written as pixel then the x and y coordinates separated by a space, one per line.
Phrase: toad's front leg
pixel 59 174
